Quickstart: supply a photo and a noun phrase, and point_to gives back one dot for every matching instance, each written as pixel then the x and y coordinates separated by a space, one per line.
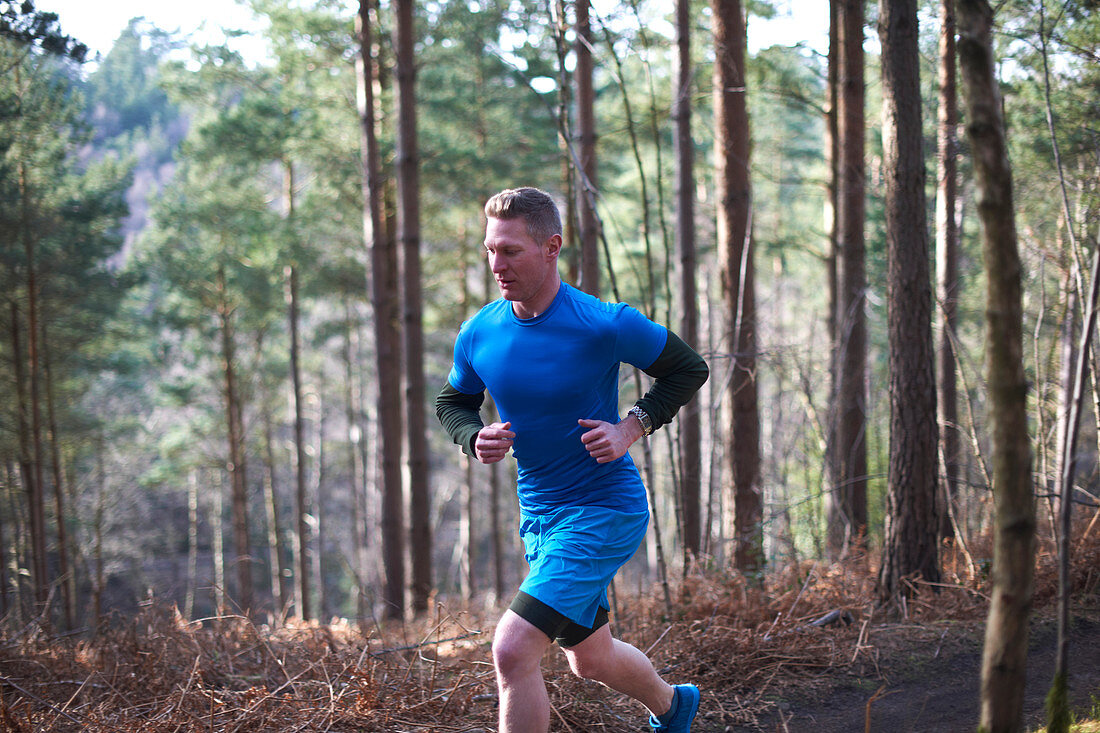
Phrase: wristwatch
pixel 643 418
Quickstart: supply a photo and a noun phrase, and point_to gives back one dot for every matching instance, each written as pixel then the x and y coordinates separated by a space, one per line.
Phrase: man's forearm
pixel 678 374
pixel 460 415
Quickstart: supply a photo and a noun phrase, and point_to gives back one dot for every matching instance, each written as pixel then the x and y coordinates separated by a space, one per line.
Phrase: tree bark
pixel 846 509
pixel 66 579
pixel 832 159
pixel 1004 662
pixel 192 543
pixel 383 260
pixel 408 227
pixel 586 131
pixel 911 542
pixel 218 544
pixel 565 143
pixel 303 584
pixel 690 430
pixel 236 458
pixel 36 487
pixel 275 550
pixel 947 260
pixel 356 464
pixel 26 458
pixel 8 490
pixel 735 253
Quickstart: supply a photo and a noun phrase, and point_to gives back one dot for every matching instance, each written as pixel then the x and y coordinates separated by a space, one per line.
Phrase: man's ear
pixel 553 245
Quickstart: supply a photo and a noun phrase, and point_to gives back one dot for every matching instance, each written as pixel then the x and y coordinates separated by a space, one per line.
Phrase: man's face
pixel 523 268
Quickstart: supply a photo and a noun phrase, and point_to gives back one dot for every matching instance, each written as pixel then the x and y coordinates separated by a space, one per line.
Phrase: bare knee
pixel 513 657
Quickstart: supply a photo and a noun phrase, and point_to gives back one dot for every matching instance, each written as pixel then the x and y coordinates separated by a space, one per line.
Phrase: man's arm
pixel 460 415
pixel 678 373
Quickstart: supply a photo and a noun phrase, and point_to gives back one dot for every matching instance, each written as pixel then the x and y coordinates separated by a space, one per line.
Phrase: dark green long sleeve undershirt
pixel 678 373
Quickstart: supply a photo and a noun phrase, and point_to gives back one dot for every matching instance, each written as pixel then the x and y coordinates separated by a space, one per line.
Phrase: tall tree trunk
pixel 6 489
pixel 690 430
pixel 911 542
pixel 26 458
pixel 387 339
pixel 235 464
pixel 97 530
pixel 735 248
pixel 408 225
pixel 1004 662
pixel 275 550
pixel 36 487
pixel 1069 430
pixel 303 585
pixel 468 510
pixel 357 466
pixel 832 159
pixel 218 544
pixel 67 581
pixel 565 142
pixel 847 498
pixel 192 543
pixel 947 261
pixel 586 131
pixel 320 516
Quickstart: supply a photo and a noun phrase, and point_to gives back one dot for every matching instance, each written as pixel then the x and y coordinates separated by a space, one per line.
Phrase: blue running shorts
pixel 574 552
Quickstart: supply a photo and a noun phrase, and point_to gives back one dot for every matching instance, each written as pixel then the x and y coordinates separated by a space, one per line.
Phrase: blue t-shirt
pixel 547 372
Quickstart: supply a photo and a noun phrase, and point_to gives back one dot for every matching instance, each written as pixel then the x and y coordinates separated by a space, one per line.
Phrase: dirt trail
pixel 933 687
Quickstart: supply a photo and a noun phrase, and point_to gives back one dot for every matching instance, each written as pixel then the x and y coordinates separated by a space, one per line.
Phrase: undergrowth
pixel 744 645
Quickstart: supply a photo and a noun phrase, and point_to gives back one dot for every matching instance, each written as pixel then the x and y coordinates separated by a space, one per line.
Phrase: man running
pixel 549 356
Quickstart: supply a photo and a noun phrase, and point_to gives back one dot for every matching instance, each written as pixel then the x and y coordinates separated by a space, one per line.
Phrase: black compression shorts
pixel 559 628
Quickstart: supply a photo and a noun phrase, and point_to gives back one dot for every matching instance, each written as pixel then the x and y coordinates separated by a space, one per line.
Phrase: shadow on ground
pixel 910 683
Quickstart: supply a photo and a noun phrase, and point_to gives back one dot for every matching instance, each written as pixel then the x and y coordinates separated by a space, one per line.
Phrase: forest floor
pixel 766 660
pixel 909 678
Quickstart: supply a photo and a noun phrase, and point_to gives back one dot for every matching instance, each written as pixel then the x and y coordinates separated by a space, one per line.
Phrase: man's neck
pixel 538 305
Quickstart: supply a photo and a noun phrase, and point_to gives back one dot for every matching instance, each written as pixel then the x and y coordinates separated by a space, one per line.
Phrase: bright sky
pixel 98 24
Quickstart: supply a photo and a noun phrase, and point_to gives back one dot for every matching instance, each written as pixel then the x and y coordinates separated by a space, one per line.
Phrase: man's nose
pixel 496 264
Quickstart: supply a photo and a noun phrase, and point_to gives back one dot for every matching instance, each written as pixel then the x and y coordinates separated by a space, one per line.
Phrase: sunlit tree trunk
pixel 570 251
pixel 690 431
pixel 832 159
pixel 218 543
pixel 192 543
pixel 275 549
pixel 1004 662
pixel 911 540
pixel 236 458
pixel 846 510
pixel 320 514
pixel 586 172
pixel 408 226
pixel 735 253
pixel 947 260
pixel 356 465
pixel 303 586
pixel 384 300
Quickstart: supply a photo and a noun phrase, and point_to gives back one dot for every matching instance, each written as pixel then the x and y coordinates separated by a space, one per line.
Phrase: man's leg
pixel 518 647
pixel 621 667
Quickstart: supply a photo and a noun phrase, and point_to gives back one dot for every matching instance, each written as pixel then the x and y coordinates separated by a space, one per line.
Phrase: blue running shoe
pixel 685 703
